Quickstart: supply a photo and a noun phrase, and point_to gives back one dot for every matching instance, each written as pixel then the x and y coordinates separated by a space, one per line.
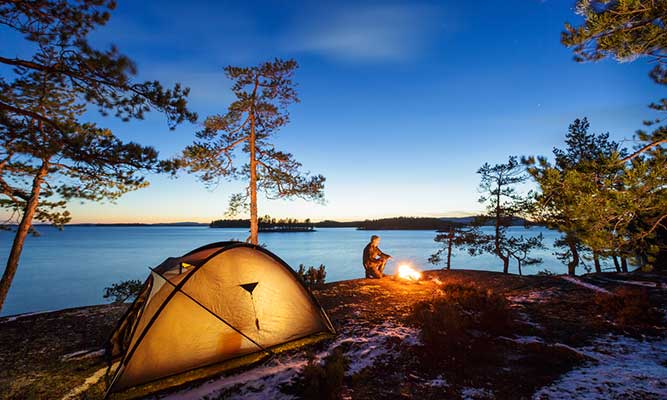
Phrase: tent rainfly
pixel 221 302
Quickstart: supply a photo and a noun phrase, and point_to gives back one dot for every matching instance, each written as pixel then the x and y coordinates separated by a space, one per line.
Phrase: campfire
pixel 408 273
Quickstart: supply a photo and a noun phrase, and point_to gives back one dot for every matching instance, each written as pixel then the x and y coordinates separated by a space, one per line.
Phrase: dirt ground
pixel 58 354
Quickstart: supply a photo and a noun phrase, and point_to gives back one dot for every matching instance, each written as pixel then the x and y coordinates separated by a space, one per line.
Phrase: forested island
pixel 269 224
pixel 426 223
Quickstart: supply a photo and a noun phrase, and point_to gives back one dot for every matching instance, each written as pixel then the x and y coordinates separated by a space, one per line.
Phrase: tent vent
pixel 250 287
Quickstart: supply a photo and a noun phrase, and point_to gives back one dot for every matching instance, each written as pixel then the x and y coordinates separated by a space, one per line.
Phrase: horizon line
pixel 457 215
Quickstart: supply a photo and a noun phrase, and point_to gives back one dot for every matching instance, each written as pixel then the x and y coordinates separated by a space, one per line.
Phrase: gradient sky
pixel 401 101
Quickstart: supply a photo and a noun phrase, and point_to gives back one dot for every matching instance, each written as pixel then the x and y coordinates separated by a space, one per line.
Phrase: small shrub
pixel 123 291
pixel 312 276
pixel 628 307
pixel 324 380
pixel 461 322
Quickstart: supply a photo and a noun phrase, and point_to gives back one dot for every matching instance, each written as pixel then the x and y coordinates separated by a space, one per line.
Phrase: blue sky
pixel 401 101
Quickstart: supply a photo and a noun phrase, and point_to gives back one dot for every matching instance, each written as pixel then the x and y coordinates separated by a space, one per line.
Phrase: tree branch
pixel 643 149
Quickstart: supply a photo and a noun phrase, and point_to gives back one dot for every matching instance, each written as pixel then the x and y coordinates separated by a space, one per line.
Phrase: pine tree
pixel 520 248
pixel 262 95
pixel 613 208
pixel 624 30
pixel 503 203
pixel 102 77
pixel 577 174
pixel 638 210
pixel 48 155
pixel 43 167
pixel 456 237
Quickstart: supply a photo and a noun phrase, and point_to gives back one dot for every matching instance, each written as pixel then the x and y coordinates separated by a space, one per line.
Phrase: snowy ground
pixel 563 346
pixel 624 368
pixel 362 345
pixel 541 296
pixel 587 285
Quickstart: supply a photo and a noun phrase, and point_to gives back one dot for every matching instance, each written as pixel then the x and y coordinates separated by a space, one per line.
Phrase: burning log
pixel 406 272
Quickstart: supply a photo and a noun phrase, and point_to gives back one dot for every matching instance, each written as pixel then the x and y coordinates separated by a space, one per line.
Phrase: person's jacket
pixel 372 253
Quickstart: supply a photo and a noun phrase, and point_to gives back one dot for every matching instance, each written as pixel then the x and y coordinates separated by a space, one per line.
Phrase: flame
pixel 407 272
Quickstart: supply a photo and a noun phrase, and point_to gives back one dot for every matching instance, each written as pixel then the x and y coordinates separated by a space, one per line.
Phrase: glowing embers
pixel 408 273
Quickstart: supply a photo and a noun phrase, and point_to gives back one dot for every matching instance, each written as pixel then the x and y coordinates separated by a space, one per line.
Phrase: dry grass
pixel 461 323
pixel 323 380
pixel 629 307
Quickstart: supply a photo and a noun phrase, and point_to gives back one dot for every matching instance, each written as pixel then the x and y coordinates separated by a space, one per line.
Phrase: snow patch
pixel 367 349
pixel 532 297
pixel 587 285
pixel 625 368
pixel 572 349
pixel 80 355
pixel 363 347
pixel 257 383
pixel 525 319
pixel 15 317
pixel 523 339
pixel 639 283
pixel 438 382
pixel 470 393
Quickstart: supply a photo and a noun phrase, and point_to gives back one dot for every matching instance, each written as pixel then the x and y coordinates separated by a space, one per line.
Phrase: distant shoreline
pixel 399 223
pixel 121 225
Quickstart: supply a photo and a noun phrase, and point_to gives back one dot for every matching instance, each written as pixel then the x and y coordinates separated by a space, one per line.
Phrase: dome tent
pixel 222 305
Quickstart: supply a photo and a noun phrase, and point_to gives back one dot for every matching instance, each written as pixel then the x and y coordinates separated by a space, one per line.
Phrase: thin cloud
pixel 378 33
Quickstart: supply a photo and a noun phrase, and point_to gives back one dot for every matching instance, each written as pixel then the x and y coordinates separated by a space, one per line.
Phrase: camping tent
pixel 217 303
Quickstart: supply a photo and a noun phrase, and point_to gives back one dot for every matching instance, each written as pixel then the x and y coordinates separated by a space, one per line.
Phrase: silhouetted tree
pixel 123 291
pixel 520 248
pixel 623 30
pixel 455 237
pixel 259 111
pixel 610 206
pixel 577 171
pixel 59 29
pixel 311 276
pixel 627 30
pixel 503 203
pixel 47 154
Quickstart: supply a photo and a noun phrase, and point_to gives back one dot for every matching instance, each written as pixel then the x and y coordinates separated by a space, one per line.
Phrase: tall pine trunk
pixel 596 261
pixel 572 265
pixel 254 224
pixel 506 259
pixel 449 249
pixel 506 263
pixel 616 264
pixel 21 233
pixel 518 264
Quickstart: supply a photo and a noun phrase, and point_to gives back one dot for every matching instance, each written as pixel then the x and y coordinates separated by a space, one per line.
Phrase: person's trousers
pixel 375 269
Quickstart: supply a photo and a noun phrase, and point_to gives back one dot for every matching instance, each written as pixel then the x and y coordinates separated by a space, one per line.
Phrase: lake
pixel 72 267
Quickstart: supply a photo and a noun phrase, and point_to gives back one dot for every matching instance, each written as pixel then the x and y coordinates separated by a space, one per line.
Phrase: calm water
pixel 70 268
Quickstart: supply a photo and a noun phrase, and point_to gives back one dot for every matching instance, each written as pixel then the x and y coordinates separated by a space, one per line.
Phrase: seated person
pixel 374 259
